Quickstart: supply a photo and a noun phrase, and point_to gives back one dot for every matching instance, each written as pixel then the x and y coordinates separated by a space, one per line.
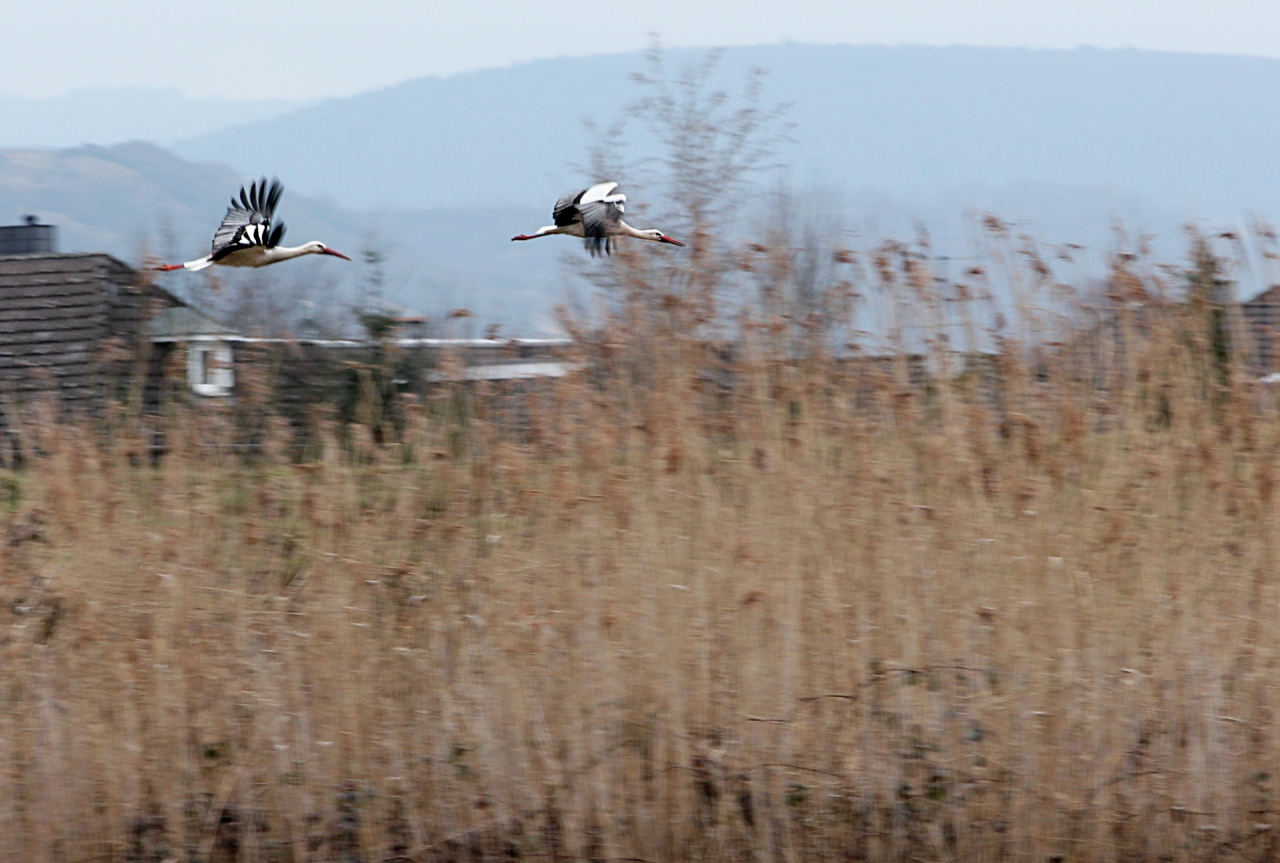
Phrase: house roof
pixel 510 371
pixel 56 313
pixel 1271 296
pixel 57 268
pixel 181 323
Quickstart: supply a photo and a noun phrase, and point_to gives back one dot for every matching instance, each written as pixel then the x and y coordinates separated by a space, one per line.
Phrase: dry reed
pixel 712 598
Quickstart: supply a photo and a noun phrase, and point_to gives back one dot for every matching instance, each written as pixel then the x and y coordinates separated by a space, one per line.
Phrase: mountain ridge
pixel 1187 130
pixel 122 114
pixel 136 200
pixel 442 171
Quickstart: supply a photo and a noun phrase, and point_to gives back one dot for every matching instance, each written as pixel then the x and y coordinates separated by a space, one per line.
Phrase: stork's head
pixel 315 247
pixel 659 237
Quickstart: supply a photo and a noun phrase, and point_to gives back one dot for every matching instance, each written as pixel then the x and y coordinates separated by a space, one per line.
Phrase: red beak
pixel 672 240
pixel 329 251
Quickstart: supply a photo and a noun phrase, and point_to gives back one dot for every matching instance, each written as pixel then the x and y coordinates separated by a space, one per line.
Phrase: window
pixel 209 368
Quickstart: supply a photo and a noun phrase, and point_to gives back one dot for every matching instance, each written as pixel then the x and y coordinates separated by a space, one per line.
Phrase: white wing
pixel 598 192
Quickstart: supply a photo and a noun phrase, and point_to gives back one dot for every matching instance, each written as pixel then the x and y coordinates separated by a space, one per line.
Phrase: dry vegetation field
pixel 722 594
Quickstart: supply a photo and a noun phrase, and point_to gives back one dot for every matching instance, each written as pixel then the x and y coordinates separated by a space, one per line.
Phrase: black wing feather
pixel 273 197
pixel 248 221
pixel 598 218
pixel 566 209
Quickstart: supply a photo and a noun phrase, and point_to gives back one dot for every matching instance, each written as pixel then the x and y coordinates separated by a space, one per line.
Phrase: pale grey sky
pixel 317 48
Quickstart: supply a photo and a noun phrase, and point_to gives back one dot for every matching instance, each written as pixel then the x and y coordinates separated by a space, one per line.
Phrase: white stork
pixel 595 214
pixel 246 239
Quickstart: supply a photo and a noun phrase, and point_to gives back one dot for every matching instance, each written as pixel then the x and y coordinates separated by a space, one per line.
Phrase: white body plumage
pixel 595 214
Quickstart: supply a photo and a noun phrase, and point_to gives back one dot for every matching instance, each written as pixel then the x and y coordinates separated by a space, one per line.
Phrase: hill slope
pixel 1188 131
pixel 443 171
pixel 135 199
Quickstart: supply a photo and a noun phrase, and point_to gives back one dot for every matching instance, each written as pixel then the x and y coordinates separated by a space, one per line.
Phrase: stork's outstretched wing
pixel 248 220
pixel 601 192
pixel 566 210
pixel 598 217
pixel 597 208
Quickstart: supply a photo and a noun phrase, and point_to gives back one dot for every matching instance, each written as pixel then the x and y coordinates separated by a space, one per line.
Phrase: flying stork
pixel 595 214
pixel 246 238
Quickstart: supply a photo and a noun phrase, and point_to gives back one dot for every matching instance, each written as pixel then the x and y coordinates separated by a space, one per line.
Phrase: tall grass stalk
pixel 723 594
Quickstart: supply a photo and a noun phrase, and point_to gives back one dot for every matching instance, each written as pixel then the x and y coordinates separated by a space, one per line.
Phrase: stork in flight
pixel 595 214
pixel 246 238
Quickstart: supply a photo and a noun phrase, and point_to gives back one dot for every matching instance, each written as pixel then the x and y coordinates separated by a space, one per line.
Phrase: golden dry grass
pixel 823 614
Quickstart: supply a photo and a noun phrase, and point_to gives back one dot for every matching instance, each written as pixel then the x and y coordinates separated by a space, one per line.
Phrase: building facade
pixel 89 330
pixel 71 325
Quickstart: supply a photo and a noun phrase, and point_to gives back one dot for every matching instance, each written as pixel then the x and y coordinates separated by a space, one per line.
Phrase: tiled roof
pixel 56 313
pixel 1271 296
pixel 182 322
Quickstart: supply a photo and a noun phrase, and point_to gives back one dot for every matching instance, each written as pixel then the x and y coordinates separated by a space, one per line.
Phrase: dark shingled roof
pixel 1270 296
pixel 178 323
pixel 57 315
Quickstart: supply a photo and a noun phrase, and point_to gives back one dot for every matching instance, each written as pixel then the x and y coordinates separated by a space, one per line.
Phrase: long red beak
pixel 329 251
pixel 672 240
pixel 166 267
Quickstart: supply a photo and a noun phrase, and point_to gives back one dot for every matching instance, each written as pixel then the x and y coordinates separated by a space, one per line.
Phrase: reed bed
pixel 725 593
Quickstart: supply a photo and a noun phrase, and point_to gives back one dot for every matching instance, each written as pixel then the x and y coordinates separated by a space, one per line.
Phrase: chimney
pixel 31 238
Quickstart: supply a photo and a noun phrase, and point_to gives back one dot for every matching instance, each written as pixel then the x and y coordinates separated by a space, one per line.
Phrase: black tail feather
pixel 598 246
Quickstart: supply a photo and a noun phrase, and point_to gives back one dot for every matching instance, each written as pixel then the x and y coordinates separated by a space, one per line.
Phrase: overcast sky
pixel 316 48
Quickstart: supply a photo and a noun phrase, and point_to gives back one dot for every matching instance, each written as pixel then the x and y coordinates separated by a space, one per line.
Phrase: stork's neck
pixel 624 228
pixel 284 253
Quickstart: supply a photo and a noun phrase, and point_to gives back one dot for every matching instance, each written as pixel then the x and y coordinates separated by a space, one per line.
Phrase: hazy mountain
pixel 137 199
pixel 442 172
pixel 1193 133
pixel 127 114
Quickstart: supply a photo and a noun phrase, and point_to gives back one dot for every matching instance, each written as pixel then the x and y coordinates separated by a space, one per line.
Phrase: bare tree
pixel 711 147
pixel 273 304
pixel 713 144
pixel 798 266
pixel 372 309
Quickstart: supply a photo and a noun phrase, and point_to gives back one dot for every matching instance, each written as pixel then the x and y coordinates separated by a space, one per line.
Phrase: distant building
pixel 69 324
pixel 1262 317
pixel 412 327
pixel 86 327
pixel 210 360
pixel 29 238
